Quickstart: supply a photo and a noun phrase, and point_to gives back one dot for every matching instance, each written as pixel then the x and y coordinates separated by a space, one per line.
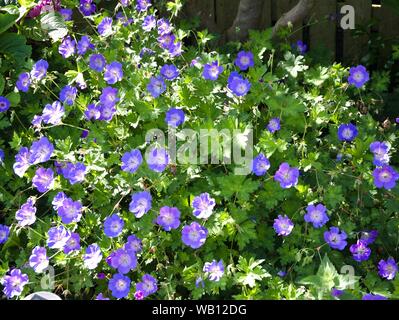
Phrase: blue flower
pixel 360 251
pixel 316 215
pixel 92 112
pixel 141 203
pixel 174 117
pixel 194 235
pixel 287 176
pixel 168 218
pixel 109 97
pixel 203 206
pixel 58 237
pixel 43 180
pixel 70 211
pixel 73 243
pixel 158 159
pixel 260 165
pixel 4 104
pixel 66 13
pixel 388 269
pixel 148 285
pixel 212 71
pixel 39 70
pixel 113 226
pixel 283 225
pixel 97 62
pixel 74 173
pixel 40 151
pixel 105 27
pixel 133 244
pixel 38 259
pixel 123 260
pixel 347 132
pixel 106 112
pixel 92 257
pixel 239 86
pixel 214 269
pixel 358 76
pixel 244 60
pixel 22 162
pixel 149 23
pixel 84 45
pixel 23 82
pixel 67 47
pixel 274 125
pixel 169 72
pixel 301 47
pixel 131 161
pixel 143 5
pixel 156 86
pixel 335 238
pixel 113 72
pixel 68 95
pixel 4 233
pixel 26 215
pixel 87 7
pixel 53 113
pixel 119 286
pixel 14 283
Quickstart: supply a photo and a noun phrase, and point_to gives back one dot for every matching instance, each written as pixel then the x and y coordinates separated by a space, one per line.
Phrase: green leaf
pixel 14 46
pixel 54 25
pixel 14 98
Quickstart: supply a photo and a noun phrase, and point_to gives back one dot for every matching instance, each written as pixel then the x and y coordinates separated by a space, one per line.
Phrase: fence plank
pixel 354 48
pixel 226 11
pixel 266 19
pixel 323 33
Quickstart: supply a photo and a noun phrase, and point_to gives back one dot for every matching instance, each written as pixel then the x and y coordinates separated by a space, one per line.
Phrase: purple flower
pixel 26 215
pixel 113 72
pixel 22 162
pixel 39 70
pixel 158 159
pixel 123 19
pixel 233 76
pixel 214 269
pixel 70 211
pixel 105 27
pixel 156 86
pixel 124 261
pixel 68 95
pixel 38 259
pixel 370 296
pixel 212 71
pixel 97 62
pixel 388 269
pixel 239 86
pixel 286 176
pixel 385 177
pixel 148 285
pixel 143 5
pixel 84 44
pixel 23 82
pixel 347 132
pixel 92 257
pixel 125 3
pixel 335 238
pixel 380 151
pixel 133 244
pixel 92 112
pixel 67 47
pixel 58 237
pixel 260 165
pixel 283 225
pixel 175 49
pixel 74 173
pixel 316 215
pixel 2 156
pixel 358 76
pixel 203 206
pixel 199 283
pixel 113 226
pixel 73 243
pixel 66 14
pixel 336 292
pixel 14 283
pixel 274 125
pixel 87 7
pixel 36 121
pixel 164 26
pixel 4 104
pixel 149 23
pixel 141 203
pixel 53 113
pixel 100 296
pixel 131 161
pixel 244 60
pixel 58 200
pixel 301 47
pixel 168 218
pixel 40 151
pixel 194 235
pixel 368 237
pixel 4 233
pixel 175 117
pixel 360 251
pixel 107 112
pixel 282 273
pixel 43 179
pixel 169 72
pixel 119 286
pixel 109 97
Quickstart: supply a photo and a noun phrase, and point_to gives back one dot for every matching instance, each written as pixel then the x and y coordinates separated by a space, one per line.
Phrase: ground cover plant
pixel 107 190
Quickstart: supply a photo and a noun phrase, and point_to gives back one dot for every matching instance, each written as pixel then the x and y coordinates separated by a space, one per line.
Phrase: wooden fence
pixel 322 28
